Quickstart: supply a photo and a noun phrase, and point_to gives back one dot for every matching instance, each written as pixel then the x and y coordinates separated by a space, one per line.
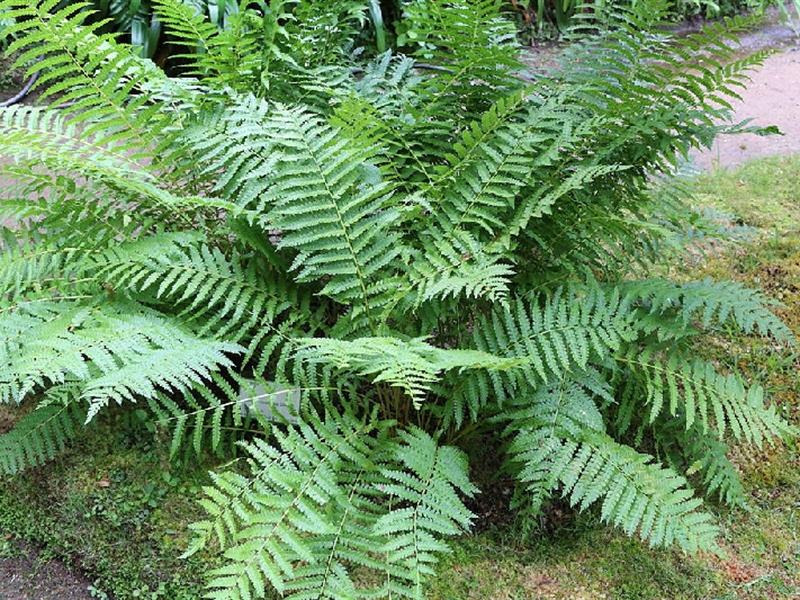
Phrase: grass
pixel 117 508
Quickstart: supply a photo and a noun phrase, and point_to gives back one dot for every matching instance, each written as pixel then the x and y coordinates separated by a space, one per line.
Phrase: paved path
pixel 771 98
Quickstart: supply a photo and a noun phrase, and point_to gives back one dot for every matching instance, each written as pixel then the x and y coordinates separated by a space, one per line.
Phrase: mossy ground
pixel 115 507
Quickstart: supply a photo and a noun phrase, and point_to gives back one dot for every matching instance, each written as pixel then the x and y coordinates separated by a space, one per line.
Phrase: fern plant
pixel 357 268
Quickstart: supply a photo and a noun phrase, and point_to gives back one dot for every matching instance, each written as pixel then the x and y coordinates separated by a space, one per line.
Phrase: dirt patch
pixel 11 80
pixel 25 576
pixel 7 419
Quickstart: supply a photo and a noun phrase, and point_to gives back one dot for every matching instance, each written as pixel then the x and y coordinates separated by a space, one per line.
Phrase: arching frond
pixel 39 436
pixel 708 302
pixel 694 389
pixel 413 365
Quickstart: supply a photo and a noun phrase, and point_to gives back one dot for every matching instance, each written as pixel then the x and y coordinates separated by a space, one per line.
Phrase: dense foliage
pixel 422 258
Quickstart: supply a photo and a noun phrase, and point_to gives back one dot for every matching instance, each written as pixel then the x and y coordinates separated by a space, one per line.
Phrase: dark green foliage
pixel 347 265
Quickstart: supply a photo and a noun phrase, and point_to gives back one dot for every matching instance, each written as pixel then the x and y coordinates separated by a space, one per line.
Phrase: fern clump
pixel 352 267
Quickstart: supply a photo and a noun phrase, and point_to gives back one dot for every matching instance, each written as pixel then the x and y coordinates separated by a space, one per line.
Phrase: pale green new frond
pixel 330 209
pixel 39 436
pixel 699 393
pixel 413 365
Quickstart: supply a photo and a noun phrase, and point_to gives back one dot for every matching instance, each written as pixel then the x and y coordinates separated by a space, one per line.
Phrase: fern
pixel 262 521
pixel 413 366
pixel 39 436
pixel 424 489
pixel 116 351
pixel 202 279
pixel 695 389
pixel 561 335
pixel 637 494
pixel 334 262
pixel 539 425
pixel 89 71
pixel 324 186
pixel 706 458
pixel 707 302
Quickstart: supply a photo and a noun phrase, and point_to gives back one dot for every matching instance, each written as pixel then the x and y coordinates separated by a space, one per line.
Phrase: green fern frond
pixel 695 390
pixel 44 138
pixel 188 28
pixel 329 210
pixel 703 455
pixel 719 475
pixel 223 409
pixel 90 72
pixel 117 352
pixel 539 422
pixel 557 336
pixel 39 436
pixel 637 495
pixel 211 288
pixel 709 302
pixel 425 505
pixel 413 365
pixel 459 266
pixel 474 58
pixel 290 511
pixel 232 150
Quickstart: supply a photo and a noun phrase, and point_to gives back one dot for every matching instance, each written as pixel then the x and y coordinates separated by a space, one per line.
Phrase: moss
pixel 115 508
pixel 763 193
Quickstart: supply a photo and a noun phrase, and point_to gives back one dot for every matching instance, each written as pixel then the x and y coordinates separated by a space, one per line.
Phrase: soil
pixel 26 576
